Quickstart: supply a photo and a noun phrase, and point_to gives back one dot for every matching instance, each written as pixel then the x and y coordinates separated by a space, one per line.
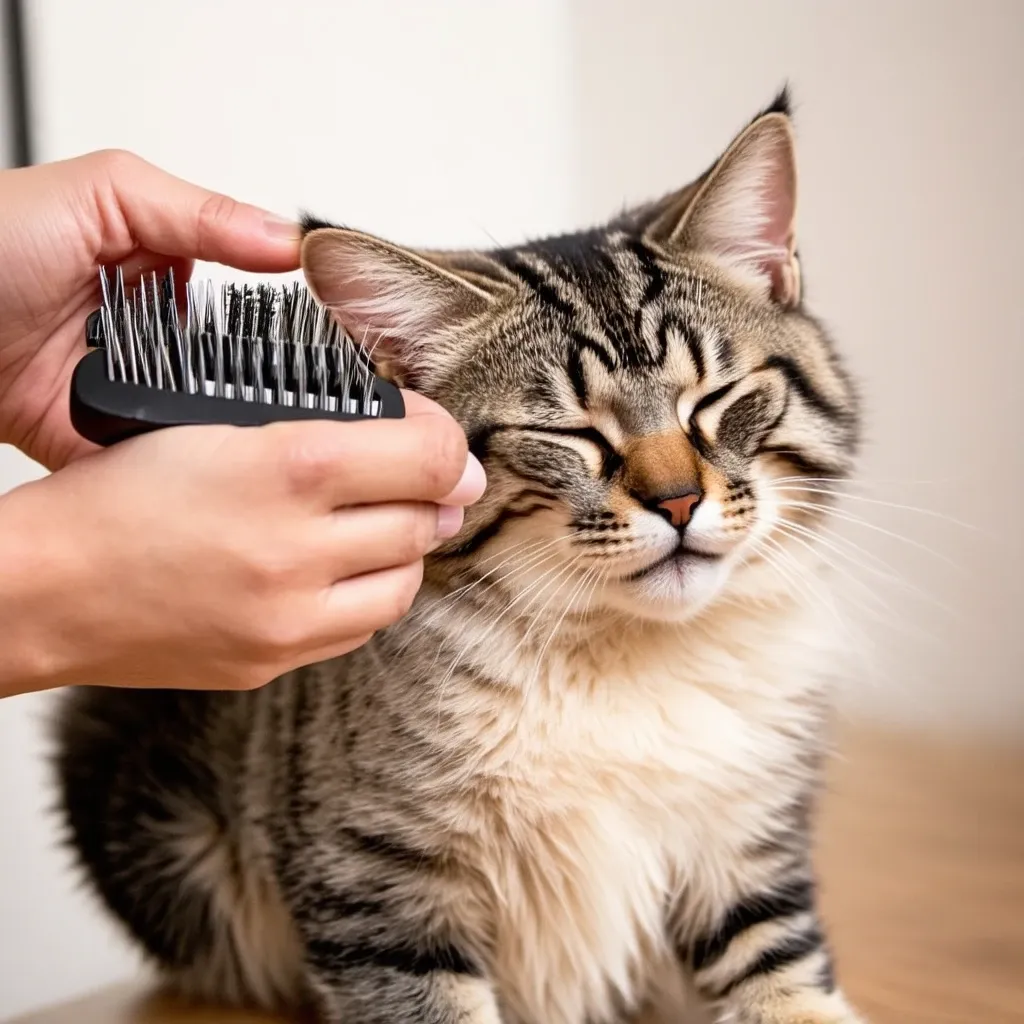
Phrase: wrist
pixel 37 637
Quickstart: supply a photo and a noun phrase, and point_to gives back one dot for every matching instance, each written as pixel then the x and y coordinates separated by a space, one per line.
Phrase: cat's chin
pixel 674 589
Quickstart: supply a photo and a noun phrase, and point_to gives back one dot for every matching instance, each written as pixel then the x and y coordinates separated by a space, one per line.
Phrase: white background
pixel 462 122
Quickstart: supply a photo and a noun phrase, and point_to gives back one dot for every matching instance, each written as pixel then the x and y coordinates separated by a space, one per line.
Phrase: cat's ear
pixel 400 305
pixel 743 210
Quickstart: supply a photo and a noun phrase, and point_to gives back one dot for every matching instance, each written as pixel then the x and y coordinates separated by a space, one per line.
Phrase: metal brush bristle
pixel 256 344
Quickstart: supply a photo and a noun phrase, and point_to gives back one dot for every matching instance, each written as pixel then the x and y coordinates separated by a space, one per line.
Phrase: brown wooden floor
pixel 922 860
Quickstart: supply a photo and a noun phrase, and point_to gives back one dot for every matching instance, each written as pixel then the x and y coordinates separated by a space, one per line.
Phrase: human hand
pixel 220 557
pixel 58 224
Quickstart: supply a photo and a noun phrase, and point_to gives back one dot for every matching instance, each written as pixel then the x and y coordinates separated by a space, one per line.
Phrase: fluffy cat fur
pixel 574 785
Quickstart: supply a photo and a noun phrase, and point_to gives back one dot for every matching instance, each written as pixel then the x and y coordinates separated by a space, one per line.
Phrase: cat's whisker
pixel 835 543
pixel 600 579
pixel 796 575
pixel 588 574
pixel 857 521
pixel 796 538
pixel 933 513
pixel 549 576
pixel 850 551
pixel 880 568
pixel 535 561
pixel 469 644
pixel 538 662
pixel 434 612
pixel 533 554
pixel 553 582
pixel 570 568
pixel 859 481
pixel 510 554
pixel 450 597
pixel 862 609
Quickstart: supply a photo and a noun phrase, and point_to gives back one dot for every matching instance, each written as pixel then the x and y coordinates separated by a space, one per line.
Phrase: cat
pixel 575 784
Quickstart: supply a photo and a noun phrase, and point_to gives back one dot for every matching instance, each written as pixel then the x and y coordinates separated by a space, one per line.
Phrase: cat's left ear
pixel 743 211
pixel 400 305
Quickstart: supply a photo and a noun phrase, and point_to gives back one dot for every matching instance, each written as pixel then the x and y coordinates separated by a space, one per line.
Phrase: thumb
pixel 172 217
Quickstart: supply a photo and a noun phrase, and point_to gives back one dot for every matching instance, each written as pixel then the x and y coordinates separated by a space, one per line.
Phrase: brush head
pixel 238 355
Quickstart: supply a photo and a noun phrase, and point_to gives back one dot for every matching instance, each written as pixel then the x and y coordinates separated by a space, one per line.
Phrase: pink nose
pixel 680 509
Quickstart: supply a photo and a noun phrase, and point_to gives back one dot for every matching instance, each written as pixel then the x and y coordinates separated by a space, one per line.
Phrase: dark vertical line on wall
pixel 17 83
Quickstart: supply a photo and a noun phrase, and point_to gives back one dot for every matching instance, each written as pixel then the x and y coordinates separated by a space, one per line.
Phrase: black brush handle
pixel 105 411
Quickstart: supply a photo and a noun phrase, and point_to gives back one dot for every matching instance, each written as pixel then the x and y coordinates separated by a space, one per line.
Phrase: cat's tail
pixel 146 799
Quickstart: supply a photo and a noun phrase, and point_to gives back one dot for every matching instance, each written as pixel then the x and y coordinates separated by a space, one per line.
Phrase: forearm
pixel 35 580
pixel 148 564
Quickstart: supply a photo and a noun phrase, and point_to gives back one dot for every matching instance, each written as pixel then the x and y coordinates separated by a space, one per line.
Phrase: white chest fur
pixel 626 776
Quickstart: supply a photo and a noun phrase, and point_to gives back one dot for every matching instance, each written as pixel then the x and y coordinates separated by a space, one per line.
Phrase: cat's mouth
pixel 678 556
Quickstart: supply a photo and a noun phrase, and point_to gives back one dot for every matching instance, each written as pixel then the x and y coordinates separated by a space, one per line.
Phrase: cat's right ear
pixel 398 304
pixel 742 211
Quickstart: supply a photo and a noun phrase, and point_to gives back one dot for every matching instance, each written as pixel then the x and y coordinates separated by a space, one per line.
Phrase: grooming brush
pixel 240 356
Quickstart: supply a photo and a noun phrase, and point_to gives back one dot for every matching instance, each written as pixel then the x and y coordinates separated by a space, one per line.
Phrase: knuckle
pixel 215 213
pixel 116 162
pixel 276 635
pixel 444 456
pixel 406 587
pixel 305 465
pixel 265 571
pixel 417 536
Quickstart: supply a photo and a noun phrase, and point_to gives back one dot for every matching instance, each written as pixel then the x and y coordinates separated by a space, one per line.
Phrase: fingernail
pixel 280 227
pixel 471 486
pixel 449 521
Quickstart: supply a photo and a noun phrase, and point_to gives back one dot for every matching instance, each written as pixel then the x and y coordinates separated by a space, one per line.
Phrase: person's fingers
pixel 472 486
pixel 419 458
pixel 168 215
pixel 372 537
pixel 367 603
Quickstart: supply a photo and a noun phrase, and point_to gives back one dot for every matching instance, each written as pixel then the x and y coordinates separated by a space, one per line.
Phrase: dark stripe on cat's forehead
pixel 655 286
pixel 541 286
pixel 586 264
pixel 578 379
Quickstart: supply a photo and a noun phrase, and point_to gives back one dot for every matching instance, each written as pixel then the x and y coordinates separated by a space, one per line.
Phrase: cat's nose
pixel 679 509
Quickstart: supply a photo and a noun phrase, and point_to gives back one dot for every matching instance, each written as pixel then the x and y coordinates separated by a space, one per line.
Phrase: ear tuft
pixel 308 222
pixel 782 104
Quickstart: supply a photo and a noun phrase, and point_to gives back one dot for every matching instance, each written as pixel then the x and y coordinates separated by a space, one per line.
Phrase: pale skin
pixel 199 557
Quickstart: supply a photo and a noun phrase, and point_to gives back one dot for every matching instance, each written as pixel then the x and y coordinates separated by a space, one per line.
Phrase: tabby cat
pixel 574 785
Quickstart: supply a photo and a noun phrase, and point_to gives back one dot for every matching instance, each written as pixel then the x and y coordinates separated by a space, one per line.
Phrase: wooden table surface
pixel 922 862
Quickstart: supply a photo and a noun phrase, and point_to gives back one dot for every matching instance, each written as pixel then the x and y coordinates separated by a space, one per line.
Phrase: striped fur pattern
pixel 575 784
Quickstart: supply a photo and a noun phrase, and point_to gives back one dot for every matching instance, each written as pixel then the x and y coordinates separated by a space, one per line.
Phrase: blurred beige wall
pixel 910 120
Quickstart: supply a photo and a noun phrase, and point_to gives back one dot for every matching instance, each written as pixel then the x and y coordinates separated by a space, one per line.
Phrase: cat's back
pixel 112 745
pixel 152 791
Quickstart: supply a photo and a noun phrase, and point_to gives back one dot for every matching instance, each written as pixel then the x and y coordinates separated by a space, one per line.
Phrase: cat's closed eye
pixel 738 416
pixel 596 450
